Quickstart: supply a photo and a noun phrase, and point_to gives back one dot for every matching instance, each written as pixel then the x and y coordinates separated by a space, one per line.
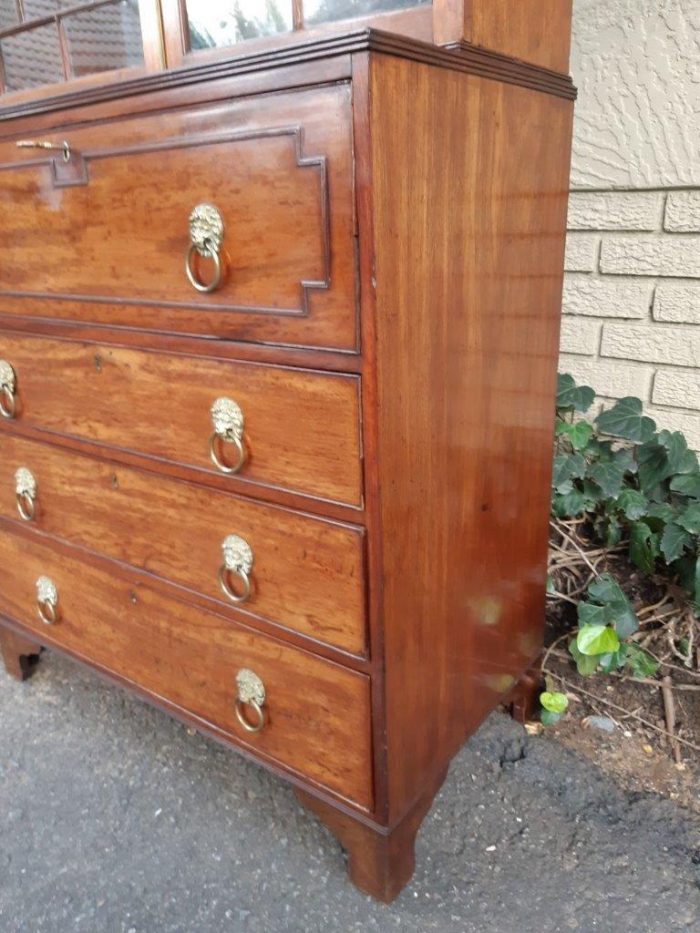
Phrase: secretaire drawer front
pixel 267 425
pixel 314 717
pixel 301 572
pixel 105 234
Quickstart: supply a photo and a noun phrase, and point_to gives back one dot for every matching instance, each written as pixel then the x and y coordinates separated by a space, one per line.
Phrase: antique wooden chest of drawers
pixel 278 341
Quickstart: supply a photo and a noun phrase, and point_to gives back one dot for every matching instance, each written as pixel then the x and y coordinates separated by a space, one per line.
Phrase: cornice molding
pixel 461 56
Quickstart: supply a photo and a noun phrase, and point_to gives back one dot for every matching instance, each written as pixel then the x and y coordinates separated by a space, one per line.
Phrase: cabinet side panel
pixel 470 181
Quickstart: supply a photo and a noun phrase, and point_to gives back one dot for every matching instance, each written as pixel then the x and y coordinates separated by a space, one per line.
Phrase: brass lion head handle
pixel 25 493
pixel 8 384
pixel 206 236
pixel 237 564
pixel 227 421
pixel 47 601
pixel 250 698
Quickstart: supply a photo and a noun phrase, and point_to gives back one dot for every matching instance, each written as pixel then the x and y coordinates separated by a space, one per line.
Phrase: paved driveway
pixel 114 818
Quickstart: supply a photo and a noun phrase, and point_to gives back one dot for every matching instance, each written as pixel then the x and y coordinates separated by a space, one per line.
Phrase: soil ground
pixel 637 755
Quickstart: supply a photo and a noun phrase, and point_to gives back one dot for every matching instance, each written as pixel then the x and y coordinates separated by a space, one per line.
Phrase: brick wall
pixel 631 321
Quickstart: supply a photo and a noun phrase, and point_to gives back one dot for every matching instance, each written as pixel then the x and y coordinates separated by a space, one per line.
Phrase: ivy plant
pixel 637 487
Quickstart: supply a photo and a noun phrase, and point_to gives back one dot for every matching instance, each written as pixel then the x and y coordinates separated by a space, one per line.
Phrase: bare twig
pixel 554 644
pixel 670 714
pixel 557 525
pixel 555 594
pixel 645 609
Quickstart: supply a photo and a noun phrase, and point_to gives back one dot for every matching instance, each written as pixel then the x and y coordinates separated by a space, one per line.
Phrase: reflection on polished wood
pixel 381 348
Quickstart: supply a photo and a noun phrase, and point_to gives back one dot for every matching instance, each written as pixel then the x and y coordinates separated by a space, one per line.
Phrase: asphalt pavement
pixel 115 819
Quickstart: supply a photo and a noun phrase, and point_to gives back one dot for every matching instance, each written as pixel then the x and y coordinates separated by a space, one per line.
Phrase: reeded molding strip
pixel 459 57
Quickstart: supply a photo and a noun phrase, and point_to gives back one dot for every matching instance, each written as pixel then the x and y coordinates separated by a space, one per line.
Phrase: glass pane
pixel 218 23
pixel 32 58
pixel 106 38
pixel 33 9
pixel 324 11
pixel 8 14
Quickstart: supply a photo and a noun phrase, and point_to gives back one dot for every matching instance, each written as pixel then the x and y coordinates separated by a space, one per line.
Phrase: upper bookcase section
pixel 223 23
pixel 48 47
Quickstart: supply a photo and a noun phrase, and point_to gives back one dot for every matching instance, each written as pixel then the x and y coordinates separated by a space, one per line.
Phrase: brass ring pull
pixel 227 419
pixel 25 494
pixel 192 274
pixel 206 235
pixel 47 601
pixel 229 590
pixel 259 723
pixel 238 561
pixel 25 507
pixel 218 461
pixel 251 696
pixel 8 402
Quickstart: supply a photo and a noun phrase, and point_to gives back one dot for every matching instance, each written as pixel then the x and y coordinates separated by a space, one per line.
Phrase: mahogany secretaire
pixel 280 286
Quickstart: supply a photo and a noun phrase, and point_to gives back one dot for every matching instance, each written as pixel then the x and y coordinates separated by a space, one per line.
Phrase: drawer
pixel 316 713
pixel 104 237
pixel 306 574
pixel 300 428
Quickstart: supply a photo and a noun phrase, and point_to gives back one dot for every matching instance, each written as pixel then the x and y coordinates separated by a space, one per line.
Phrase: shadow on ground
pixel 113 818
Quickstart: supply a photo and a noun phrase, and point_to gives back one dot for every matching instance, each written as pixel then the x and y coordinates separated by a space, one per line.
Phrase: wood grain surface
pixel 308 574
pixel 301 428
pixel 317 713
pixel 468 259
pixel 537 31
pixel 111 247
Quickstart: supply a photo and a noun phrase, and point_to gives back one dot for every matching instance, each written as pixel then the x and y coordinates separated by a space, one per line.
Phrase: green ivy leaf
pixel 597 639
pixel 569 505
pixel 606 591
pixel 600 450
pixel 654 466
pixel 625 459
pixel 613 531
pixel 632 503
pixel 590 614
pixel 612 661
pixel 674 541
pixel 585 665
pixel 680 459
pixel 690 463
pixel 566 468
pixel 625 419
pixel 608 477
pixel 579 433
pixel 548 718
pixel 690 518
pixel 554 702
pixel 570 396
pixel 643 546
pixel 639 662
pixel 688 485
pixel 661 511
pixel 687 569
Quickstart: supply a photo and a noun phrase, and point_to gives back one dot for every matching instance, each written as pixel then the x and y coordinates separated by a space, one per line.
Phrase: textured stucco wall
pixel 632 291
